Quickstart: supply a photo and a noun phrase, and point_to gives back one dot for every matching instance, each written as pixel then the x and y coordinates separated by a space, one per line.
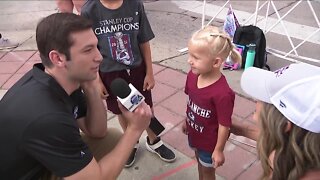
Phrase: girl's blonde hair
pixel 296 150
pixel 218 42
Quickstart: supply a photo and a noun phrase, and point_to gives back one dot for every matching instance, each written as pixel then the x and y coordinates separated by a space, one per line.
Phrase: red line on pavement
pixel 175 170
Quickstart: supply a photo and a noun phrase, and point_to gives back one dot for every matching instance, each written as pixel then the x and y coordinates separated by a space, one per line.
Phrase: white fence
pixel 269 24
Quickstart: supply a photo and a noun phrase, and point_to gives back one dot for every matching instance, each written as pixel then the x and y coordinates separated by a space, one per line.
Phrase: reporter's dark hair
pixel 53 33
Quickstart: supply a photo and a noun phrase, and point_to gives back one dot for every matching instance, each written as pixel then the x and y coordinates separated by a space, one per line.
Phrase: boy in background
pixel 124 32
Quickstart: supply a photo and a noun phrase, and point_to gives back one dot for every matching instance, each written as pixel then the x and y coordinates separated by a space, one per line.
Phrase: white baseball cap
pixel 294 90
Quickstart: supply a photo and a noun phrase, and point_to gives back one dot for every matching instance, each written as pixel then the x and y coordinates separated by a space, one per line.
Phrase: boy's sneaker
pixel 161 150
pixel 132 157
pixel 7 44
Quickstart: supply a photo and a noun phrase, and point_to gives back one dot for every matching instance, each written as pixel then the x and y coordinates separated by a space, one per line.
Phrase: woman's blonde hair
pixel 218 43
pixel 297 150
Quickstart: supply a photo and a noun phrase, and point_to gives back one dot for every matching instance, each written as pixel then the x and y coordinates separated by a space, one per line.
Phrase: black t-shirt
pixel 38 129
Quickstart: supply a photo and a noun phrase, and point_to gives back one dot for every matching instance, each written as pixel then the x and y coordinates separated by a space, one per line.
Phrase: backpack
pixel 246 35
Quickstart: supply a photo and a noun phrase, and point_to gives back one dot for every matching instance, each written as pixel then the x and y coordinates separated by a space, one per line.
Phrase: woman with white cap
pixel 288 112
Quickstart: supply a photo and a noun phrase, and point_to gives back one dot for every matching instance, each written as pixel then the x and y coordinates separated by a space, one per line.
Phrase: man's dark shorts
pixel 134 76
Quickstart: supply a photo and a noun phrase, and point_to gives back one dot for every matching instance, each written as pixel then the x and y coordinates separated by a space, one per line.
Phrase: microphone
pixel 128 95
pixel 130 98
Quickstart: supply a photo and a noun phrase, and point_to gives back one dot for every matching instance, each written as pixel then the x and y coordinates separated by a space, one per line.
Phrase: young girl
pixel 211 101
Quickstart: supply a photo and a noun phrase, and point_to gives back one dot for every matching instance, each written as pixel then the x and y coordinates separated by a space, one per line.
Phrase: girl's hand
pixel 217 158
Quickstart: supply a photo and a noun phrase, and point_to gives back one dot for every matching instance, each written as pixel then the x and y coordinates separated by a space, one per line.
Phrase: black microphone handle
pixel 156 126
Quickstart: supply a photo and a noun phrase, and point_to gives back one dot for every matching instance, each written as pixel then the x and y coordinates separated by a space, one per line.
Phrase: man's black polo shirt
pixel 38 129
